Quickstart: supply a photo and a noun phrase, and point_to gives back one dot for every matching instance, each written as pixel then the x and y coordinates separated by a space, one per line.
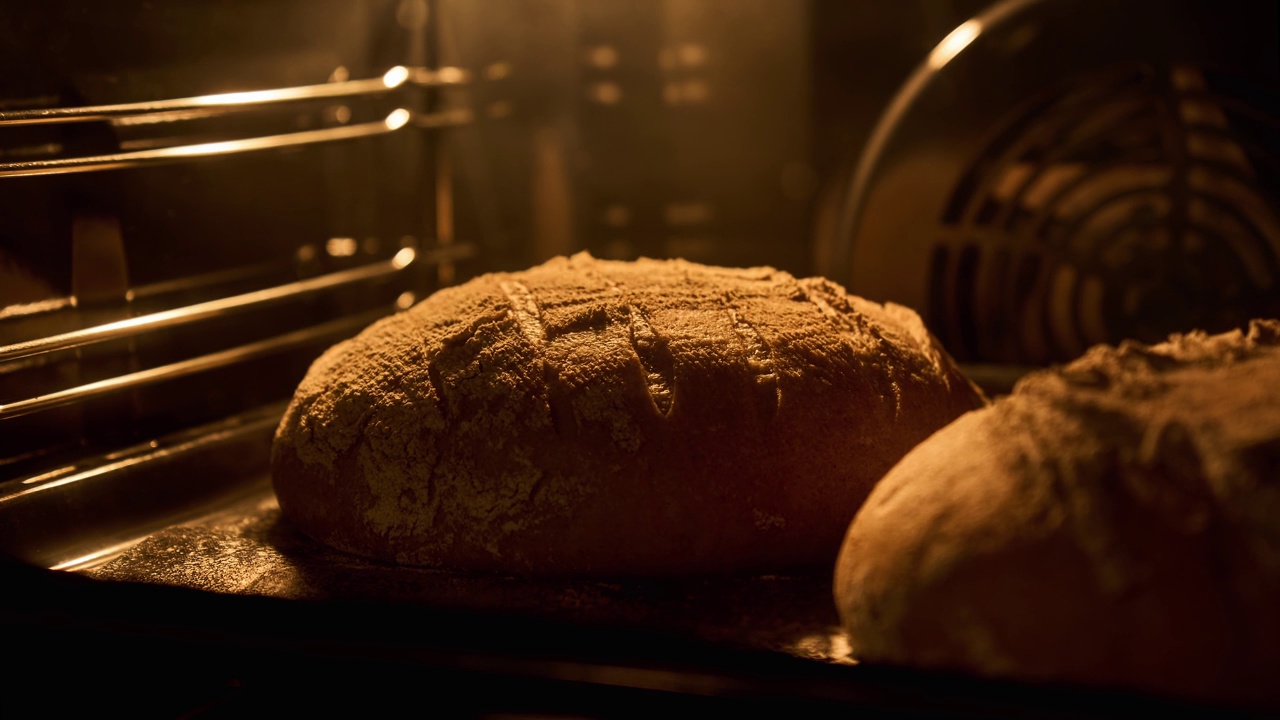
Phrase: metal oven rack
pixel 84 377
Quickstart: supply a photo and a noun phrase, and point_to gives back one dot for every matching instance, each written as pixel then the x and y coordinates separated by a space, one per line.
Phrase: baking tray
pixel 162 580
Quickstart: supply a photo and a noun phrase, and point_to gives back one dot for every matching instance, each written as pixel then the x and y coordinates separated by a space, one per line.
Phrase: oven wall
pixel 720 131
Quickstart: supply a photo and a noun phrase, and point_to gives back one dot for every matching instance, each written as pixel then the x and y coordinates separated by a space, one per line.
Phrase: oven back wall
pixel 653 128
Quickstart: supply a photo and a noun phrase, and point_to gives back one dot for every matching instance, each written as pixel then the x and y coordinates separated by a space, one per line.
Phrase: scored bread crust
pixel 591 417
pixel 1115 521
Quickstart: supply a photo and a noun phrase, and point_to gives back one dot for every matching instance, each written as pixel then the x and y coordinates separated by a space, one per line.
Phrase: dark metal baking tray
pixel 162 580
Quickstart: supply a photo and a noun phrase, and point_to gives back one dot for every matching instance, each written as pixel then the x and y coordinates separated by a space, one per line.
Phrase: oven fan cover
pixel 1033 194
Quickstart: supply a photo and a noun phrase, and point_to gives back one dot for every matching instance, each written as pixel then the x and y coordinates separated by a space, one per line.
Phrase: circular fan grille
pixel 1130 204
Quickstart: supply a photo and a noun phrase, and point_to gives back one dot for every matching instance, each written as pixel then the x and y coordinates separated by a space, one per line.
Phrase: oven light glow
pixel 396 76
pixel 397 119
pixel 453 75
pixel 403 258
pixel 954 43
pixel 237 98
pixel 340 247
pixel 606 93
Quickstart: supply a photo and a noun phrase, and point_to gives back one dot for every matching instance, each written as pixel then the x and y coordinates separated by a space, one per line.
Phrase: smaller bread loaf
pixel 599 418
pixel 1113 522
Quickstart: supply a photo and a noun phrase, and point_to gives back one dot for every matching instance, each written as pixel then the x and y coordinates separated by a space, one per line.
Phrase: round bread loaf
pixel 1115 521
pixel 600 418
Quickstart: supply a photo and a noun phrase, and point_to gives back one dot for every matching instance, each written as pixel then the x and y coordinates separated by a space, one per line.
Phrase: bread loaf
pixel 598 418
pixel 1113 522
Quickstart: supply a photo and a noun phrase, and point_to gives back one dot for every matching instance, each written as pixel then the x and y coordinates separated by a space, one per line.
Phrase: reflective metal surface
pixel 66 514
pixel 335 329
pixel 60 166
pixel 203 105
pixel 215 308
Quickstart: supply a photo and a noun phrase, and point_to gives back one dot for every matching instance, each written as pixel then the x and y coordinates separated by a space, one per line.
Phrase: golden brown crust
pixel 1115 522
pixel 588 417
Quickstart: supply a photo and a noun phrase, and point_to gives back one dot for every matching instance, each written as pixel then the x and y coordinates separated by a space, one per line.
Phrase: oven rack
pixel 397 79
pixel 112 363
pixel 371 273
pixel 53 424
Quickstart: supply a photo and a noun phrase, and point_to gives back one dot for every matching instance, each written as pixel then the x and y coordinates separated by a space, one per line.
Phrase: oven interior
pixel 200 197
